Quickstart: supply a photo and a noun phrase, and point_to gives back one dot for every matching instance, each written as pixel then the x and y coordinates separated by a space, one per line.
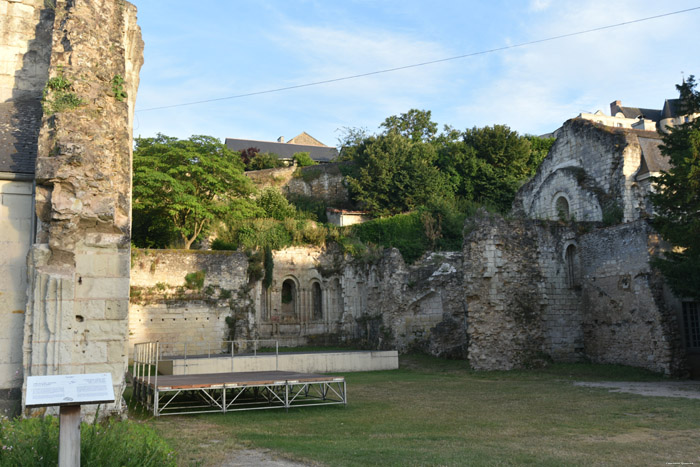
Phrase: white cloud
pixel 539 5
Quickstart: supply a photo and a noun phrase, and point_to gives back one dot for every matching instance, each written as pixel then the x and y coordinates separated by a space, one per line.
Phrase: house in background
pixel 300 143
pixel 638 118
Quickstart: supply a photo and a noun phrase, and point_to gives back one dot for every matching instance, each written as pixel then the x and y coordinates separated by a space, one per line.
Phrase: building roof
pixel 284 150
pixel 672 108
pixel 19 131
pixel 636 112
pixel 653 160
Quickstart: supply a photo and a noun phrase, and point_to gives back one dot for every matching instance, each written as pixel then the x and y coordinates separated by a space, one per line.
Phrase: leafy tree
pixel 264 160
pixel 396 174
pixel 677 200
pixel 275 205
pixel 304 159
pixel 414 124
pixel 190 182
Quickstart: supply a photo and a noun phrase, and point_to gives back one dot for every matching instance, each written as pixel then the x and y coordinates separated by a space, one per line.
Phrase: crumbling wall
pixel 163 307
pixel 521 309
pixel 77 310
pixel 628 317
pixel 323 182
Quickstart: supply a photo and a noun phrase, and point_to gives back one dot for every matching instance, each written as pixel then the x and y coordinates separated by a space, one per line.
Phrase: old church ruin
pixel 566 278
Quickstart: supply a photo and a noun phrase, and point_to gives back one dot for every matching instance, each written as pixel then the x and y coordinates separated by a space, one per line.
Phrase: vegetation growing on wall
pixel 58 95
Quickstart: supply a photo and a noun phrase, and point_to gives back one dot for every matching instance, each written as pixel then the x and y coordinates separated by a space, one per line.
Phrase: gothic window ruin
pixel 316 303
pixel 691 325
pixel 571 266
pixel 561 207
pixel 289 297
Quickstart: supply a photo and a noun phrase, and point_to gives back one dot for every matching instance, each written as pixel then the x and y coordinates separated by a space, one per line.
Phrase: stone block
pixel 102 288
pixel 117 309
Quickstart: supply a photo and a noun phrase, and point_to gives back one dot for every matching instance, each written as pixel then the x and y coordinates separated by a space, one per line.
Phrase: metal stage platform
pixel 227 392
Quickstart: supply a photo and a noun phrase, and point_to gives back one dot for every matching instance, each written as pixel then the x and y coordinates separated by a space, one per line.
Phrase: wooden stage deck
pixel 225 392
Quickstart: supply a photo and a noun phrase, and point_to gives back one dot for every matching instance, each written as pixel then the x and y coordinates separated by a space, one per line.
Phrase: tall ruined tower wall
pixel 84 57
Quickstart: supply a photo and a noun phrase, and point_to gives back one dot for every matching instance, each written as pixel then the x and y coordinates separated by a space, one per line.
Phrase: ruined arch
pixel 289 297
pixel 571 261
pixel 561 207
pixel 316 301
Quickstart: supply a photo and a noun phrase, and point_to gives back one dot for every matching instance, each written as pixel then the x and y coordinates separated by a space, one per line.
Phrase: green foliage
pixel 58 95
pixel 403 231
pixel 181 186
pixel 264 160
pixel 677 200
pixel 613 214
pixel 118 88
pixel 255 265
pixel 414 124
pixel 304 159
pixel 309 207
pixel 275 205
pixel 396 175
pixel 34 441
pixel 195 280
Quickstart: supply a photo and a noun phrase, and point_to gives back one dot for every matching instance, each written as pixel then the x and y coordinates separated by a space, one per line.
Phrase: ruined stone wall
pixel 593 169
pixel 628 317
pixel 522 310
pixel 76 319
pixel 162 308
pixel 26 28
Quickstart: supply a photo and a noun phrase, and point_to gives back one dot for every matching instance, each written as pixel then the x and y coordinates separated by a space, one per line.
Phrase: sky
pixel 215 49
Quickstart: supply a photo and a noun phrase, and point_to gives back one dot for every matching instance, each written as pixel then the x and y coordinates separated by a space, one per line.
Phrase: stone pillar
pixel 78 297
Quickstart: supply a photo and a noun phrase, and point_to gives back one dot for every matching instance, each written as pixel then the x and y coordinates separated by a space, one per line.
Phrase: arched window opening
pixel 562 207
pixel 316 301
pixel 289 296
pixel 571 260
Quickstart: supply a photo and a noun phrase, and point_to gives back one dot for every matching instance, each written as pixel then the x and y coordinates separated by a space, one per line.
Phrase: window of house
pixel 691 325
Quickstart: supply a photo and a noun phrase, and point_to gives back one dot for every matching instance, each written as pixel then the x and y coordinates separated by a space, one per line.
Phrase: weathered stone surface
pixel 79 264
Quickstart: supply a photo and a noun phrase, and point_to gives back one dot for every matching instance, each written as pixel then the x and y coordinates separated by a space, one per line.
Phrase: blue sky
pixel 211 49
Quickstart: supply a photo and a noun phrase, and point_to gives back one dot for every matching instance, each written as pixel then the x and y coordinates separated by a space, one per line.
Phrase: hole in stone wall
pixel 79 318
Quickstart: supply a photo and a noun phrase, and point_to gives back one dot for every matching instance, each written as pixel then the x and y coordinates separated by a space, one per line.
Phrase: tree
pixel 677 199
pixel 396 174
pixel 414 124
pixel 190 182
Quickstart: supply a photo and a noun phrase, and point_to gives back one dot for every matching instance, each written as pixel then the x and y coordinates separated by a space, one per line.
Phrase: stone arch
pixel 561 207
pixel 289 297
pixel 571 261
pixel 316 301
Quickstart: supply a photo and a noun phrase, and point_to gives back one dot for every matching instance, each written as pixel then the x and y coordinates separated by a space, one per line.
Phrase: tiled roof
pixel 19 131
pixel 284 150
pixel 652 159
pixel 635 112
pixel 671 108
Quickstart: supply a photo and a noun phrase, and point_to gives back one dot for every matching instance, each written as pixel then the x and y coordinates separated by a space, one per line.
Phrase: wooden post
pixel 69 437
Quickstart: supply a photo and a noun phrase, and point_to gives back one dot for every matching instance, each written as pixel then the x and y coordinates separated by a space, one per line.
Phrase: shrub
pixel 34 441
pixel 195 280
pixel 304 159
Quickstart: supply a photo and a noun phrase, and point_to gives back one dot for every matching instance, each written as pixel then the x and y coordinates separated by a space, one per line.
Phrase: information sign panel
pixel 57 390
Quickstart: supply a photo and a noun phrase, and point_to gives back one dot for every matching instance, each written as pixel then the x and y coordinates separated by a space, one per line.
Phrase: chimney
pixel 615 108
pixel 280 139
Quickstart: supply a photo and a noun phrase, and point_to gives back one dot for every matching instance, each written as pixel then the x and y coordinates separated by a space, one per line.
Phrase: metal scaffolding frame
pixel 228 392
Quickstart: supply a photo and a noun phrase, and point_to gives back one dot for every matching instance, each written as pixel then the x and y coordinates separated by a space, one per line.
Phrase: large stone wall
pixel 522 306
pixel 322 182
pixel 163 309
pixel 76 320
pixel 629 316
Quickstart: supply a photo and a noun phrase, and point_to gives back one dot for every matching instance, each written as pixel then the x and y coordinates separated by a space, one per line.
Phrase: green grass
pixel 439 412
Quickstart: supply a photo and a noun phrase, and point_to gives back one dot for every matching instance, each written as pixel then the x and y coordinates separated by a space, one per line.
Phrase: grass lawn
pixel 438 412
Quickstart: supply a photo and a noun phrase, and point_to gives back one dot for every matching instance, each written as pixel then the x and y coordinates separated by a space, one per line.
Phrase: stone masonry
pixel 77 311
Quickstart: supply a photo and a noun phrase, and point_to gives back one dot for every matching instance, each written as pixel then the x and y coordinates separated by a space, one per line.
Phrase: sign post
pixel 69 392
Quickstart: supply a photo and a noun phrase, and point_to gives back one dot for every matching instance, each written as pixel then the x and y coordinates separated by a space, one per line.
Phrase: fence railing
pixel 148 354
